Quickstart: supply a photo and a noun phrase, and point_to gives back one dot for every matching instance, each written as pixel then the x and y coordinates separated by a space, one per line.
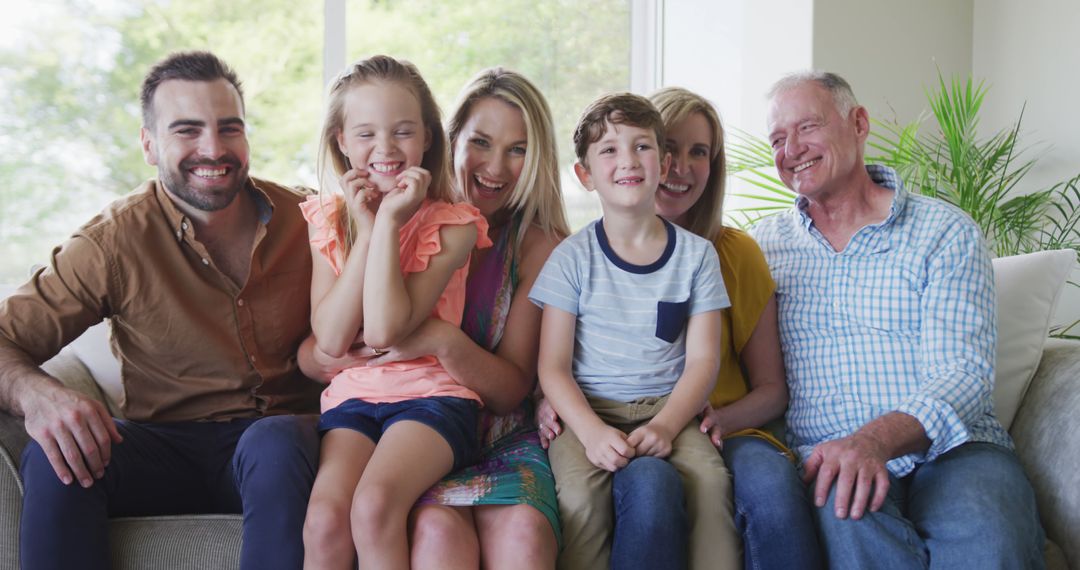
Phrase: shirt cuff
pixel 943 426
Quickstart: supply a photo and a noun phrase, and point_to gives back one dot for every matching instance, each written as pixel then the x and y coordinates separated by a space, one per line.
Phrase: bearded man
pixel 203 274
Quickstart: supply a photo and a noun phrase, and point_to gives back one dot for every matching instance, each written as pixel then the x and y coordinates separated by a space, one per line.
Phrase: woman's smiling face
pixel 489 154
pixel 690 144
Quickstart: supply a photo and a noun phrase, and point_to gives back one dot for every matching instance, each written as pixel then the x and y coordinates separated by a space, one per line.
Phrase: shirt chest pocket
pixel 671 319
pixel 890 301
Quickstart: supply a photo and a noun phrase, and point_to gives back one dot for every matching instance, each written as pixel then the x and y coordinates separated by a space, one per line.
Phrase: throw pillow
pixel 1028 287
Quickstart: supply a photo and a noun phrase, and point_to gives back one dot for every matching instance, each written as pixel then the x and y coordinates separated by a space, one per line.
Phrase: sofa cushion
pixel 198 542
pixel 1028 287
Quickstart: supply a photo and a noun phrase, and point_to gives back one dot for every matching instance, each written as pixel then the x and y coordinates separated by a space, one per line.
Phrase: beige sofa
pixel 1043 418
pixel 1046 430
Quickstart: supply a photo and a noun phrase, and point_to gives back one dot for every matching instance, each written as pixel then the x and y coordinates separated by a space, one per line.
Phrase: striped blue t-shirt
pixel 630 340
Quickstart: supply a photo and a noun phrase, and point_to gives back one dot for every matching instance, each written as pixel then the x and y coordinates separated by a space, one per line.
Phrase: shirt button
pixel 252 358
pixel 240 302
pixel 205 261
pixel 183 225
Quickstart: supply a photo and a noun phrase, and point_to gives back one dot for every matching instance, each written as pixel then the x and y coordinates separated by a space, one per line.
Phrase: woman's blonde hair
pixel 705 217
pixel 332 161
pixel 537 196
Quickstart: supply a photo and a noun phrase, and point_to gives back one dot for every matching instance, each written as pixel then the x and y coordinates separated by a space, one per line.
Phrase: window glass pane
pixel 573 50
pixel 70 72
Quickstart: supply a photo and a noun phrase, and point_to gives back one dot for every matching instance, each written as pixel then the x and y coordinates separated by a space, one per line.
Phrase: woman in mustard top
pixel 751 390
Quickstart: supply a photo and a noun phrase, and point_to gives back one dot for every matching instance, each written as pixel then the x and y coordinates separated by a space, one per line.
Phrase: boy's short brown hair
pixel 617 109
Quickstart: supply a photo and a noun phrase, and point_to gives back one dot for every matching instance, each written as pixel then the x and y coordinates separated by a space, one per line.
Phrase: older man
pixel 204 274
pixel 887 324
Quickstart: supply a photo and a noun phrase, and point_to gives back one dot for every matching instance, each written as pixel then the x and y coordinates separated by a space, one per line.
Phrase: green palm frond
pixel 981 176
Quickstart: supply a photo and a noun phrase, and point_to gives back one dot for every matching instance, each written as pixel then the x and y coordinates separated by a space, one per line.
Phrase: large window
pixel 574 50
pixel 70 72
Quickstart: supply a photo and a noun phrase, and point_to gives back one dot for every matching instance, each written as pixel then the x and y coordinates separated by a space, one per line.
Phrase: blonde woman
pixel 502 512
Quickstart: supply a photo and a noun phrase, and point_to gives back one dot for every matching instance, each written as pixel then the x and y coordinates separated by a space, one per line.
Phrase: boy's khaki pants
pixel 585 502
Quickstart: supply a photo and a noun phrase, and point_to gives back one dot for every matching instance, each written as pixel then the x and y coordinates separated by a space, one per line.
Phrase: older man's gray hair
pixel 838 87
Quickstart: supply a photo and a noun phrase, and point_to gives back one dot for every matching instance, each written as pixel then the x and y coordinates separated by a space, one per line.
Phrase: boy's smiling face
pixel 625 167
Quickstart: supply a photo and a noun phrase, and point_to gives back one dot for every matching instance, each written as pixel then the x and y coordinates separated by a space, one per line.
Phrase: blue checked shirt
pixel 903 319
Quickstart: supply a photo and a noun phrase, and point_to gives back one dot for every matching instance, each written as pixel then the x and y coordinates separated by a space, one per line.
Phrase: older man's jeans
pixel 263 468
pixel 652 528
pixel 973 507
pixel 771 508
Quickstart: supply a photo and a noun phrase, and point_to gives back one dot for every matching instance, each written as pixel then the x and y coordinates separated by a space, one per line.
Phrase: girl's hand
pixel 710 425
pixel 424 341
pixel 359 194
pixel 607 448
pixel 402 202
pixel 547 422
pixel 651 439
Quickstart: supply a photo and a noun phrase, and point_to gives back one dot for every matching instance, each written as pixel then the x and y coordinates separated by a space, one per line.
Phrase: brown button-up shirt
pixel 192 344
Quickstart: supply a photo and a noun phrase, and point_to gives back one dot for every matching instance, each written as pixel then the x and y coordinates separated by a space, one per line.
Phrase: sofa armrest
pixel 1047 436
pixel 67 368
pixel 73 374
pixel 13 438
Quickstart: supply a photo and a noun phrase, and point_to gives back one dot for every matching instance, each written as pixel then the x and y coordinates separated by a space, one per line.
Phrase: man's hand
pixel 547 423
pixel 75 432
pixel 710 426
pixel 857 464
pixel 607 448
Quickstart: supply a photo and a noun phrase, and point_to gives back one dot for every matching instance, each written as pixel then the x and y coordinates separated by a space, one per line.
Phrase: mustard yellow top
pixel 749 286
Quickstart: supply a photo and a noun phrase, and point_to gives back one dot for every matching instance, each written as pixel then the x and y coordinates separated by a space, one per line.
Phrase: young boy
pixel 631 320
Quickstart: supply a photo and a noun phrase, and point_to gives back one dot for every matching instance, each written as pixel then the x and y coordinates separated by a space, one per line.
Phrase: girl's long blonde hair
pixel 538 193
pixel 333 162
pixel 704 218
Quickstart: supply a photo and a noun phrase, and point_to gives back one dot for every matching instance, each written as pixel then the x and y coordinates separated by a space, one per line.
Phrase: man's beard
pixel 176 182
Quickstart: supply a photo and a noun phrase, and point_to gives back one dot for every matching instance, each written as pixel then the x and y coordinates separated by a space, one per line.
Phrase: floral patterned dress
pixel 513 468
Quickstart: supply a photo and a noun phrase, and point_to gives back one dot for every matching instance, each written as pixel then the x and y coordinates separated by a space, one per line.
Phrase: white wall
pixel 778 40
pixel 1028 52
pixel 731 51
pixel 703 51
pixel 891 51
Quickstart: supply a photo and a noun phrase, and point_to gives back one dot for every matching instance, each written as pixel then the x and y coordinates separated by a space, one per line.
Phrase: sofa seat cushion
pixel 195 542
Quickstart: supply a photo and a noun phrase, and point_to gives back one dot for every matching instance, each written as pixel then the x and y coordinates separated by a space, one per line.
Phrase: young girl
pixel 389 253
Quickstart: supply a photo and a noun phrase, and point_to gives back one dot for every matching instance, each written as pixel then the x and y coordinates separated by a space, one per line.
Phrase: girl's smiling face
pixel 383 132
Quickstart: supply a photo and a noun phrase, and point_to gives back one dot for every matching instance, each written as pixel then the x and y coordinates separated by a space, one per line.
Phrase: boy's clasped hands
pixel 610 449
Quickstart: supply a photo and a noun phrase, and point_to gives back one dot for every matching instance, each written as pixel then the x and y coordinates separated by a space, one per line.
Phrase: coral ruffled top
pixel 420 239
